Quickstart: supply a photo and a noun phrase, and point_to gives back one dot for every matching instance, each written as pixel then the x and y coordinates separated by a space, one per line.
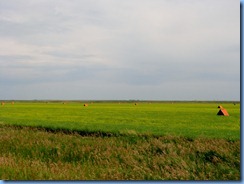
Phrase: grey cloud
pixel 8 58
pixel 71 55
pixel 132 44
pixel 25 74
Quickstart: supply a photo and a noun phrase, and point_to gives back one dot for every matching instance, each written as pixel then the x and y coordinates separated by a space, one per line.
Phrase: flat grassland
pixel 119 141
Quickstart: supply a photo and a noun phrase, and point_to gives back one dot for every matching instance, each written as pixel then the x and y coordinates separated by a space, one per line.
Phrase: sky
pixel 120 49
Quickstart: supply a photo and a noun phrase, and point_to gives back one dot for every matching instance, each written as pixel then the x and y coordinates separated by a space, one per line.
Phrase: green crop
pixel 177 119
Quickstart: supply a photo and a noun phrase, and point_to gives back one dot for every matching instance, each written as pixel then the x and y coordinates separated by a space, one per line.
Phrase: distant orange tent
pixel 223 112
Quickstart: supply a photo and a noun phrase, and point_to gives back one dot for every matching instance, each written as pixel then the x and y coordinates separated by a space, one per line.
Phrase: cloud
pixel 142 44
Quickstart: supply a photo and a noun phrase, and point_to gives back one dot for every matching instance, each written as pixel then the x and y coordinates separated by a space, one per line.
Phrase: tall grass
pixel 33 154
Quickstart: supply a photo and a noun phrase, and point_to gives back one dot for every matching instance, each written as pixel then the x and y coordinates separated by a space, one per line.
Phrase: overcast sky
pixel 120 49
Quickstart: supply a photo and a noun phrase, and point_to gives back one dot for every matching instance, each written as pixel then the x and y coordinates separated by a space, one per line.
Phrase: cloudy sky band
pixel 144 49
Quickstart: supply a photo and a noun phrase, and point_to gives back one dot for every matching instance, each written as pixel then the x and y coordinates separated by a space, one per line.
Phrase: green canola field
pixel 159 119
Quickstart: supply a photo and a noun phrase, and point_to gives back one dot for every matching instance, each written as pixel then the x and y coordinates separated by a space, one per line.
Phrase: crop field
pixel 119 141
pixel 179 119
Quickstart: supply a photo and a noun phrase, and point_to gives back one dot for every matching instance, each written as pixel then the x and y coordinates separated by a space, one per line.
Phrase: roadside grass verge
pixel 38 154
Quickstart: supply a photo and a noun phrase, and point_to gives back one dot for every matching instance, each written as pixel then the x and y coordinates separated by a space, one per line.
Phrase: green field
pixel 175 119
pixel 119 141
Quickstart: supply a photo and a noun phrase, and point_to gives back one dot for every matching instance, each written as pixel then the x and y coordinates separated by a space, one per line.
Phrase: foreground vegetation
pixel 119 141
pixel 34 154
